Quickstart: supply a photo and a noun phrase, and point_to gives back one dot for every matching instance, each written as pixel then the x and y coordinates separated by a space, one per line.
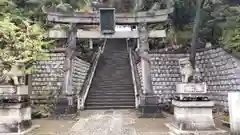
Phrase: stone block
pixel 10 89
pixel 175 131
pixel 193 104
pixel 15 127
pixel 193 118
pixel 150 107
pixel 193 115
pixel 65 105
pixel 15 117
pixel 5 99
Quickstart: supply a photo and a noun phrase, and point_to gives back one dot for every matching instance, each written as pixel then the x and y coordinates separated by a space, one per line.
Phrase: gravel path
pixel 107 122
pixel 104 123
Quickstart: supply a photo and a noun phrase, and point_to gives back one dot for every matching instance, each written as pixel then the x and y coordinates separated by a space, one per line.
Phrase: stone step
pixel 109 107
pixel 115 84
pixel 112 70
pixel 110 94
pixel 113 89
pixel 112 85
pixel 127 90
pixel 110 103
pixel 112 78
pixel 111 99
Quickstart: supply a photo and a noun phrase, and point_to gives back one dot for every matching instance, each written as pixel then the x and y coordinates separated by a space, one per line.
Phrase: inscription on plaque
pixel 191 88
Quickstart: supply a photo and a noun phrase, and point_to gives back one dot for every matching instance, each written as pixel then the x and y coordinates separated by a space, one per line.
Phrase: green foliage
pixel 181 24
pixel 148 4
pixel 231 28
pixel 23 28
pixel 20 37
pixel 219 23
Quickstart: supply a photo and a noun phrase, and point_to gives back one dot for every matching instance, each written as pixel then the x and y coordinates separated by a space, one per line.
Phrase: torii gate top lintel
pixel 121 18
pixel 82 18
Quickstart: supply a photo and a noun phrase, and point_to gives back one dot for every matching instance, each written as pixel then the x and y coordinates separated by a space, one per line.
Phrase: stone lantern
pixel 15 107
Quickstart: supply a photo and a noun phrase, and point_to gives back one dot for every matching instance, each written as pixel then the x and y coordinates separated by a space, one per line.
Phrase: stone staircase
pixel 112 86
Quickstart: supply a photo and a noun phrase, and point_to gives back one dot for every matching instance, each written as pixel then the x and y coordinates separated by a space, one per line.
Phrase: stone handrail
pixel 136 79
pixel 88 81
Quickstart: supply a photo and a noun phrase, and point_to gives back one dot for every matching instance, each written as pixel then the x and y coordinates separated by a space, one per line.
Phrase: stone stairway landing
pixel 112 86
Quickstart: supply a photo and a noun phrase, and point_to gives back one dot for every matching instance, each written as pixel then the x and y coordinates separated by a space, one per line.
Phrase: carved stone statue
pixel 15 74
pixel 186 69
pixel 188 74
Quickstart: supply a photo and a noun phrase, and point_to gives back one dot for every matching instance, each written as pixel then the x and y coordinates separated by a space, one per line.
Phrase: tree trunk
pixel 195 33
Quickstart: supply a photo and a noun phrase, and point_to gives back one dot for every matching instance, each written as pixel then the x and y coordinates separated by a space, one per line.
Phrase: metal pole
pixel 195 33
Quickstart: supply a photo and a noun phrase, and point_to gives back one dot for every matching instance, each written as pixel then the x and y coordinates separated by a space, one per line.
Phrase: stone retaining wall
pixel 49 75
pixel 46 82
pixel 218 68
pixel 223 75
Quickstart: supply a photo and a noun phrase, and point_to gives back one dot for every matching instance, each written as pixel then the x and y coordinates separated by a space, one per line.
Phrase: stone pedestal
pixel 15 109
pixel 150 107
pixel 15 117
pixel 193 117
pixel 65 105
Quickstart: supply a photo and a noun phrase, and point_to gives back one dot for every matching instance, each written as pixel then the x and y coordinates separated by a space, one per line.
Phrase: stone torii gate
pixel 141 18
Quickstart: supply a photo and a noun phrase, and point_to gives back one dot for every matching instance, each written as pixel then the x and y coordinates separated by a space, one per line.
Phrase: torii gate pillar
pixel 149 106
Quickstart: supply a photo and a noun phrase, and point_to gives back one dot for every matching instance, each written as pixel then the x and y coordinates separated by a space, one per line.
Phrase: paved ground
pixel 105 122
pixel 51 127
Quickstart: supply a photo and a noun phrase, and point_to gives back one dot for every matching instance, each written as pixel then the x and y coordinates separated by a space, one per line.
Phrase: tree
pixel 23 27
pixel 219 23
pixel 20 37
